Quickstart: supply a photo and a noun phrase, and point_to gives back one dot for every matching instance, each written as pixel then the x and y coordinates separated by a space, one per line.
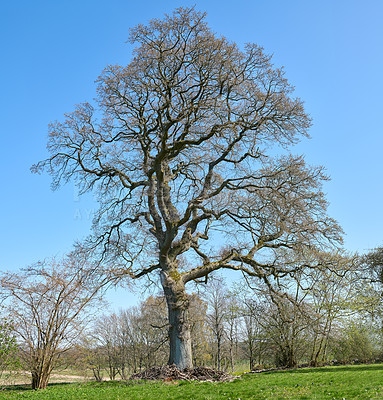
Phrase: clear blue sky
pixel 53 51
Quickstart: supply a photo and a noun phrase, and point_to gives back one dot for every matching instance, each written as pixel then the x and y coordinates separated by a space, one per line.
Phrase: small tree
pixel 355 343
pixel 47 303
pixel 198 327
pixel 108 338
pixel 232 325
pixel 333 295
pixel 130 339
pixel 91 356
pixel 216 299
pixel 253 313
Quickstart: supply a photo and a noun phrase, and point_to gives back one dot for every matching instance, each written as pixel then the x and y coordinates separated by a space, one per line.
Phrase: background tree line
pixel 323 317
pixel 331 313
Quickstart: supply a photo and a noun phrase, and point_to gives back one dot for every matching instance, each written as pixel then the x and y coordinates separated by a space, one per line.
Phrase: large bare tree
pixel 182 150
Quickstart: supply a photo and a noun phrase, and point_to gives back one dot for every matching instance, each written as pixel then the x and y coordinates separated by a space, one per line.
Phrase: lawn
pixel 345 382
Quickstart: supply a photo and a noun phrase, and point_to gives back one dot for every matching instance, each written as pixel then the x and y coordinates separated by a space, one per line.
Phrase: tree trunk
pixel 179 327
pixel 286 357
pixel 97 373
pixel 219 353
pixel 251 357
pixel 40 379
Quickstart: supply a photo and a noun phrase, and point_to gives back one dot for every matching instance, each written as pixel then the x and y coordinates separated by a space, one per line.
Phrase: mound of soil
pixel 171 372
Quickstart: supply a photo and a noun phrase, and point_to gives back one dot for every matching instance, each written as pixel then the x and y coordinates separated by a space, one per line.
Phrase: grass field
pixel 345 382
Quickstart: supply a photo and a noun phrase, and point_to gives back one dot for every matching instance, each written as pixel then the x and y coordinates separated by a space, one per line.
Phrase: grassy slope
pixel 348 382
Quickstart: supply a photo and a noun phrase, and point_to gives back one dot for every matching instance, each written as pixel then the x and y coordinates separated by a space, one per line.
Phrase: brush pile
pixel 171 372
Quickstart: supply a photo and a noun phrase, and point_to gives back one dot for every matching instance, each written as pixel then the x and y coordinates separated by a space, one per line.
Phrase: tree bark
pixel 251 356
pixel 218 353
pixel 40 379
pixel 286 357
pixel 179 327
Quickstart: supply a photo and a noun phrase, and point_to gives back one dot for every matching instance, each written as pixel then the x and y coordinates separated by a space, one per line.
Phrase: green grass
pixel 346 382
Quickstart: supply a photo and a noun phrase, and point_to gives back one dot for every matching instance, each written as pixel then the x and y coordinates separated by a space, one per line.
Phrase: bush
pixel 355 345
pixel 8 347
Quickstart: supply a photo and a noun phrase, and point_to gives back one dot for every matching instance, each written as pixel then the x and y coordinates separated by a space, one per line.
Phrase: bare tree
pixel 91 356
pixel 181 148
pixel 131 339
pixel 287 328
pixel 232 326
pixel 152 322
pixel 298 313
pixel 198 325
pixel 216 317
pixel 47 304
pixel 336 295
pixel 107 332
pixel 253 313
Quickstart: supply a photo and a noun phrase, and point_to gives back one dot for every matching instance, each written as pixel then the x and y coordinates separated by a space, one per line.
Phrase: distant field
pixel 344 382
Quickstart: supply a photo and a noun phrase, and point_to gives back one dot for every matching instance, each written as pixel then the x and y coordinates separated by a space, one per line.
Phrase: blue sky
pixel 53 51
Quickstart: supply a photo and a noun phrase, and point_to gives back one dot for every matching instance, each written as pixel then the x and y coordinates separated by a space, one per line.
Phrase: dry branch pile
pixel 171 372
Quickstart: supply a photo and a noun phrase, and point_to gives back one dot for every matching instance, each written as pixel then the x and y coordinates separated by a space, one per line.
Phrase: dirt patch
pixel 170 373
pixel 70 377
pixel 24 378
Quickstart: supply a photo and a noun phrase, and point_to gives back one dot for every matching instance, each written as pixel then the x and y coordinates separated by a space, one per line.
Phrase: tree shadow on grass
pixel 28 387
pixel 20 388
